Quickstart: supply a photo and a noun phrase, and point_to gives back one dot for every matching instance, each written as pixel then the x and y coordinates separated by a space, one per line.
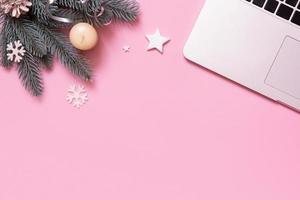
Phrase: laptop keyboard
pixel 286 9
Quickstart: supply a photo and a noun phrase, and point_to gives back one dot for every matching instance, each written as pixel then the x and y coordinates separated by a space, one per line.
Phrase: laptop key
pixel 292 2
pixel 296 18
pixel 284 11
pixel 271 6
pixel 259 3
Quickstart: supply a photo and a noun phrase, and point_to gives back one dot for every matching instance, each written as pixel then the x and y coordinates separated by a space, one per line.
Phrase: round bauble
pixel 83 36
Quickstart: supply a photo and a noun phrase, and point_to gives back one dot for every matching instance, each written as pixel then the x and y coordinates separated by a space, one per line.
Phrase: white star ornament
pixel 157 41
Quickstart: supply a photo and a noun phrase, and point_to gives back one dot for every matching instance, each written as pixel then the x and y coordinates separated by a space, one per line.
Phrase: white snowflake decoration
pixel 77 96
pixel 15 51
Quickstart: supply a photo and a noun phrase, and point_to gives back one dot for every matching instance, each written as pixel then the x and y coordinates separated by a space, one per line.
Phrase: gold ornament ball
pixel 83 36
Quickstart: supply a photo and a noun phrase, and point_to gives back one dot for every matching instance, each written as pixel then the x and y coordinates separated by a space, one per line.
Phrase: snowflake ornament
pixel 15 51
pixel 77 96
pixel 15 8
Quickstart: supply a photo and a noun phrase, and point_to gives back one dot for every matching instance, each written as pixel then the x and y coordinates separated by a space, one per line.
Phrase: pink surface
pixel 156 127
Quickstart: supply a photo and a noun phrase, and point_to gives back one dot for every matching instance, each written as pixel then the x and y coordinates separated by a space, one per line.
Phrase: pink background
pixel 156 127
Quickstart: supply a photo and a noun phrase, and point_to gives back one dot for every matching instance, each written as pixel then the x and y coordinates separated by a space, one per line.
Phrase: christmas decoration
pixel 32 34
pixel 15 51
pixel 156 41
pixel 15 7
pixel 77 96
pixel 83 36
pixel 126 48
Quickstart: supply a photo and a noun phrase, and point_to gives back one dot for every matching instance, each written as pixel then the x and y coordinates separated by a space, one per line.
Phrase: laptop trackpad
pixel 284 74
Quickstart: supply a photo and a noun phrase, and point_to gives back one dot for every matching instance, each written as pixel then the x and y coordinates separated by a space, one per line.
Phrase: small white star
pixel 157 41
pixel 126 48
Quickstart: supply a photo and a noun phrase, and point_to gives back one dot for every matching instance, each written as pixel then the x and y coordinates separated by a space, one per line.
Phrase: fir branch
pixel 41 12
pixel 47 61
pixel 38 9
pixel 78 16
pixel 7 35
pixel 42 39
pixel 73 4
pixel 29 73
pixel 27 33
pixel 124 10
pixel 80 12
pixel 59 45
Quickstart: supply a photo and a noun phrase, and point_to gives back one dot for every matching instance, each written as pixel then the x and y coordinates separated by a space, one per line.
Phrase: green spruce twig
pixel 29 74
pixel 117 10
pixel 47 61
pixel 42 38
pixel 124 10
pixel 6 36
pixel 59 46
pixel 29 36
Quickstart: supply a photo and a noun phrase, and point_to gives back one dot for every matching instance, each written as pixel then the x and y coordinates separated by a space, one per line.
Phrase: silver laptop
pixel 253 42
